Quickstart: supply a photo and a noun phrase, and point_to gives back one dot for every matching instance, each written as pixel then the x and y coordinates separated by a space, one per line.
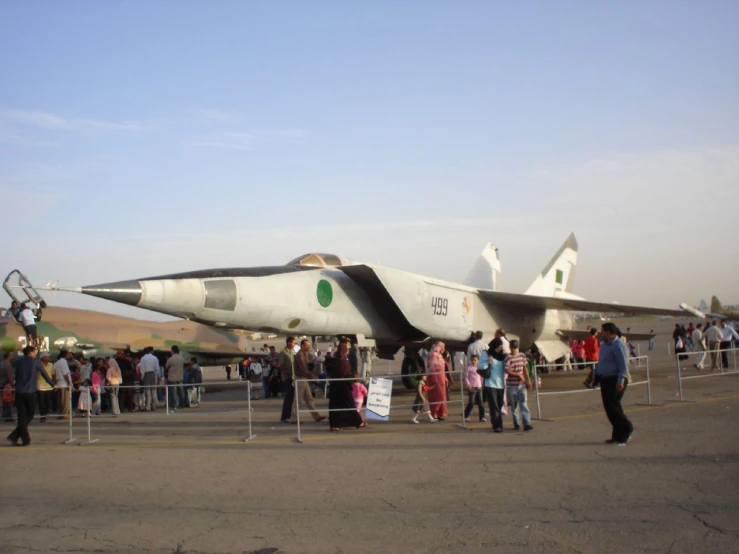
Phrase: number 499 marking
pixel 440 305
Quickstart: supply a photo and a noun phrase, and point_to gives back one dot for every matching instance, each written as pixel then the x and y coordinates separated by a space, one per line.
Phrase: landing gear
pixel 411 368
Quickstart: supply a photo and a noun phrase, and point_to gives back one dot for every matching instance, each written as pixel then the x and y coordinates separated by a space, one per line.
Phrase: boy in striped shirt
pixel 517 381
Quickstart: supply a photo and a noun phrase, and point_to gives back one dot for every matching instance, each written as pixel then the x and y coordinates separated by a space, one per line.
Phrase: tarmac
pixel 188 483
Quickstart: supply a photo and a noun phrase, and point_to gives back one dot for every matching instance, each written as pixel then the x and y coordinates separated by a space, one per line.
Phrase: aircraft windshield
pixel 317 260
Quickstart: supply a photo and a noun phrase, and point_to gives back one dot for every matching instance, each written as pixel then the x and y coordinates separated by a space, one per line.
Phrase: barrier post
pixel 71 415
pixel 679 380
pixel 461 392
pixel 297 411
pixel 536 391
pixel 166 398
pixel 669 348
pixel 248 388
pixel 90 440
pixel 649 385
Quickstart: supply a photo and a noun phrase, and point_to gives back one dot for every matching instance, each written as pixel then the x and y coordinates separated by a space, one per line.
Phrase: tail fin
pixel 716 306
pixel 485 274
pixel 703 307
pixel 558 277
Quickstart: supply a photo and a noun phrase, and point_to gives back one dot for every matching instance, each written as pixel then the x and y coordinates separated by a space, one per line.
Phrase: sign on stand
pixel 378 399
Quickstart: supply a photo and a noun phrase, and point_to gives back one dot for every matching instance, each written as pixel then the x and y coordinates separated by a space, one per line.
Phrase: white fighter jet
pixel 322 294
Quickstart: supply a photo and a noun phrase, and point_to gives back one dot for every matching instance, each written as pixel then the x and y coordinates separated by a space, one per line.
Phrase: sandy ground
pixel 188 483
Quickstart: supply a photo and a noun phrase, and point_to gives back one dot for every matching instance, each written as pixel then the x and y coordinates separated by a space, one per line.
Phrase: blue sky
pixel 148 137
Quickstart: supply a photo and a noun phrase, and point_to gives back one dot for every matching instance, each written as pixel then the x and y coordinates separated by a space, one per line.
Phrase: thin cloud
pixel 248 140
pixel 221 116
pixel 444 226
pixel 292 135
pixel 42 198
pixel 228 141
pixel 54 122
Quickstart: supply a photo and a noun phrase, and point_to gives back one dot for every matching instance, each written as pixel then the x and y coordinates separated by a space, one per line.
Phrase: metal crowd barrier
pixel 706 354
pixel 299 410
pixel 90 439
pixel 58 415
pixel 637 361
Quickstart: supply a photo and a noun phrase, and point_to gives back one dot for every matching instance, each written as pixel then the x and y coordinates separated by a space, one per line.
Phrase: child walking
pixel 421 399
pixel 473 382
pixel 359 393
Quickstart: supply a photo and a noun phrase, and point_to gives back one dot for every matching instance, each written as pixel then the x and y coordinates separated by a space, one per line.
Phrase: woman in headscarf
pixel 340 392
pixel 437 383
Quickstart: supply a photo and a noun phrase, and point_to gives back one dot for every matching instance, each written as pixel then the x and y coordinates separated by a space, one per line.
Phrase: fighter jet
pixel 323 294
pixel 717 310
pixel 95 333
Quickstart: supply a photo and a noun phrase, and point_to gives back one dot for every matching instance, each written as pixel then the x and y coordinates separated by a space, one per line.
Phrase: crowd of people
pixel 343 395
pixel 92 386
pixel 499 374
pixel 497 377
pixel 714 338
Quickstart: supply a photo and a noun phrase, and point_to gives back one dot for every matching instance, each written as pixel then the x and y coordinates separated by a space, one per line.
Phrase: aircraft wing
pixel 719 317
pixel 550 303
pixel 577 334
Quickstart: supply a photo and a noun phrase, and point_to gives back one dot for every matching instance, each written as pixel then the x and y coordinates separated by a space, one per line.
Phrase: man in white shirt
pixel 713 336
pixel 727 336
pixel 699 346
pixel 255 369
pixel 477 347
pixel 63 382
pixel 500 334
pixel 149 371
pixel 28 320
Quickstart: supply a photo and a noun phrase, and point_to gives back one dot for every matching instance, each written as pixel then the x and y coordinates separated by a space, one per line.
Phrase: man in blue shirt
pixel 26 376
pixel 613 374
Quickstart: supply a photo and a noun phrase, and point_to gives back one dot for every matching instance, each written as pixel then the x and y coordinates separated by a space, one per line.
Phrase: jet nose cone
pixel 125 292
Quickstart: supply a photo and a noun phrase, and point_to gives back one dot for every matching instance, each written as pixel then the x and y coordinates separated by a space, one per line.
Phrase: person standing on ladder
pixel 28 320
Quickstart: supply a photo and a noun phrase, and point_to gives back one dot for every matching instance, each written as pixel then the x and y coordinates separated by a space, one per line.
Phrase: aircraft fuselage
pixel 396 308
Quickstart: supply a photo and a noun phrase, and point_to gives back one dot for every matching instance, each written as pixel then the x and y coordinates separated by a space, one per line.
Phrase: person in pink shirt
pixel 473 382
pixel 578 352
pixel 359 393
pixel 96 378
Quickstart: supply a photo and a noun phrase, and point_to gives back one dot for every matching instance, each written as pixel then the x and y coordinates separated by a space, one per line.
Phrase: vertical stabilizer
pixel 716 306
pixel 703 307
pixel 558 277
pixel 485 274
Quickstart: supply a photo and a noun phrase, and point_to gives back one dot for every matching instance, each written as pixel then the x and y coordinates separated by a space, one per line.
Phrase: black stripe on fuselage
pixel 265 271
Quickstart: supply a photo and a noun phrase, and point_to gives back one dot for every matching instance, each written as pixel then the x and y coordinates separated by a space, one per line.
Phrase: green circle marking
pixel 324 293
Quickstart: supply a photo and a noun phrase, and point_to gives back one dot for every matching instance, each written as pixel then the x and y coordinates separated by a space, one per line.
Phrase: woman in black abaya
pixel 340 392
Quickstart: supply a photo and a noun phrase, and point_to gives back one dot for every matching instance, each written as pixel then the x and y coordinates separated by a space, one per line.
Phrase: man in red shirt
pixel 591 348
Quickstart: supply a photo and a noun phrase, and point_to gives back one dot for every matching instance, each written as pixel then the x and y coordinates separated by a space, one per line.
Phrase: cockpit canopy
pixel 318 260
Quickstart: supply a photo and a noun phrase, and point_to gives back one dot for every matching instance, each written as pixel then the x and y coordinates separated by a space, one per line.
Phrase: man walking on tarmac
pixel 612 371
pixel 26 376
pixel 287 368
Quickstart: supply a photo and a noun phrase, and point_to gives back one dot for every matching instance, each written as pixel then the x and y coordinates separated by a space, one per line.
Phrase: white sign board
pixel 378 399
